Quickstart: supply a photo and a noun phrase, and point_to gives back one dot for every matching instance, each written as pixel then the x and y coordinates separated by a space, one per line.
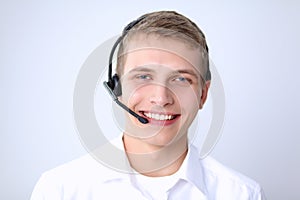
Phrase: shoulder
pixel 80 169
pixel 226 181
pixel 217 170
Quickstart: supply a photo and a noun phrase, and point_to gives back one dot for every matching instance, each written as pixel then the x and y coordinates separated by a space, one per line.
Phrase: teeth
pixel 158 116
pixel 161 117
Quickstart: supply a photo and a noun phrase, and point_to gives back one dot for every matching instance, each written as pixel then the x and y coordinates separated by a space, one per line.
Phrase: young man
pixel 164 79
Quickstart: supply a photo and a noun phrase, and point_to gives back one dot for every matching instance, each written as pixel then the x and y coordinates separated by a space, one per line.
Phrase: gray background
pixel 255 47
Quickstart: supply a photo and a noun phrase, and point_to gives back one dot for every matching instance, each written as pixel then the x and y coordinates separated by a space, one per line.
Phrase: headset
pixel 113 85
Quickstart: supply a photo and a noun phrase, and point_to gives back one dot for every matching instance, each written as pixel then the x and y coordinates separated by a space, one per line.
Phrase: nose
pixel 161 96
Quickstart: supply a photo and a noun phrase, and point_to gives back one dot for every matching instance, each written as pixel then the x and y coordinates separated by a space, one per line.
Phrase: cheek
pixel 132 95
pixel 189 98
pixel 189 104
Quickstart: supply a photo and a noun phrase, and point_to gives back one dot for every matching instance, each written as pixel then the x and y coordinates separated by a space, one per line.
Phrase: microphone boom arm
pixel 115 98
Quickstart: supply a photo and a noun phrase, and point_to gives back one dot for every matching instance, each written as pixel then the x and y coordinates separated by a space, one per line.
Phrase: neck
pixel 152 160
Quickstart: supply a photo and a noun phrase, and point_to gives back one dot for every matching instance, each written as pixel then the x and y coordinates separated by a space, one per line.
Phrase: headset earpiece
pixel 114 86
pixel 117 89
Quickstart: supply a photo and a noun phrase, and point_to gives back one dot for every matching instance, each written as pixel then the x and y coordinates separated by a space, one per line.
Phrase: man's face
pixel 162 82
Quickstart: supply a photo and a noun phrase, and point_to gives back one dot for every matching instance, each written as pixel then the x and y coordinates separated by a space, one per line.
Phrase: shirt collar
pixel 112 155
pixel 191 169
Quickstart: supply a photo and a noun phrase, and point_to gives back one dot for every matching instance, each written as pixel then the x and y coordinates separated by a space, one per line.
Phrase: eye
pixel 183 80
pixel 143 77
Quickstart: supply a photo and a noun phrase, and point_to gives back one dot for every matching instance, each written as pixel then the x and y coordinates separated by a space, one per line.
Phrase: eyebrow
pixel 179 71
pixel 187 71
pixel 141 69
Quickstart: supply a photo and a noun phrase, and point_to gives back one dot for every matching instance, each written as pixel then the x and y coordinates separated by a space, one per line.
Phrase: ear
pixel 204 94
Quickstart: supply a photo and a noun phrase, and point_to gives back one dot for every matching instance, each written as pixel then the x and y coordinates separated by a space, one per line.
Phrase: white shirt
pixel 201 179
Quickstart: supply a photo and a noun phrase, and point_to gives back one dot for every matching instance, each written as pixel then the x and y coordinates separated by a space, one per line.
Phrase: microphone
pixel 141 119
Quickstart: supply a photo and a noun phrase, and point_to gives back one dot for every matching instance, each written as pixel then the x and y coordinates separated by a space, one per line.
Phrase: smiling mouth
pixel 159 117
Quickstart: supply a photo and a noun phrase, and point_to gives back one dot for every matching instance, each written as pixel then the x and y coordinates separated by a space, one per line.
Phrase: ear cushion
pixel 117 89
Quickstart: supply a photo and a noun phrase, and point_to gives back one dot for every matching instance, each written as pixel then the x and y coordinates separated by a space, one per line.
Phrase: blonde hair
pixel 168 24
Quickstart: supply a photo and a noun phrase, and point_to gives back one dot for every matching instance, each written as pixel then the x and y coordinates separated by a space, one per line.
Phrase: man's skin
pixel 162 81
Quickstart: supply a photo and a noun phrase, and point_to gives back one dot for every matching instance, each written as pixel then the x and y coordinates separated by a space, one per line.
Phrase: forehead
pixel 151 50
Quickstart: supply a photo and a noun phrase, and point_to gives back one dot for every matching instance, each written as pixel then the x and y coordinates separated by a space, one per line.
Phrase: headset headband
pixel 125 31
